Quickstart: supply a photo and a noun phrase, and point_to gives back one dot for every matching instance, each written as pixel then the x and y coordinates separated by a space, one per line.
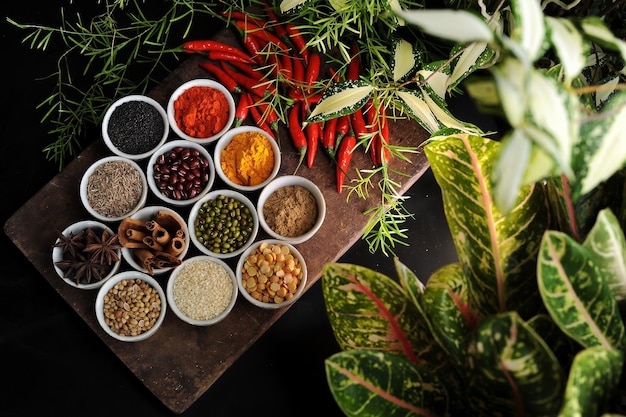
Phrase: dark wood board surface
pixel 180 362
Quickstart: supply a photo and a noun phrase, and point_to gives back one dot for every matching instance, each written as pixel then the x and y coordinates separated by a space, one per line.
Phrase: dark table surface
pixel 52 363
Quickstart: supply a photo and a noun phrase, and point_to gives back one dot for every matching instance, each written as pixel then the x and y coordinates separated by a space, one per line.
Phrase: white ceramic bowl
pixel 193 215
pixel 165 150
pixel 100 303
pixel 291 180
pixel 200 82
pixel 201 300
pixel 143 193
pixel 146 214
pixel 133 128
pixel 270 305
pixel 57 253
pixel 226 139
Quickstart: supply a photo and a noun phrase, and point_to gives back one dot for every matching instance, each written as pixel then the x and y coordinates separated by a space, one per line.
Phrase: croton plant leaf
pixel 369 310
pixel 563 346
pixel 497 252
pixel 447 305
pixel 593 377
pixel 374 383
pixel 607 245
pixel 512 371
pixel 410 283
pixel 576 294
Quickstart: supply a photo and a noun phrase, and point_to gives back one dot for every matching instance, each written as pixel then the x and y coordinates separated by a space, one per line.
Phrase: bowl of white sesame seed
pixel 202 290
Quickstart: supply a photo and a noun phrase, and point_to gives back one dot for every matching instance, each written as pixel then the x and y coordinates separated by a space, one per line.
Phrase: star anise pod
pixel 71 243
pixel 87 271
pixel 103 249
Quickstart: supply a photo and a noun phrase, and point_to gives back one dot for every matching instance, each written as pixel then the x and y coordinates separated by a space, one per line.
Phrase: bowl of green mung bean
pixel 223 223
pixel 202 290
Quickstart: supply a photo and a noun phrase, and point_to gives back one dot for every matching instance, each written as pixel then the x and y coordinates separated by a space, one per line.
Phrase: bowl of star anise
pixel 86 254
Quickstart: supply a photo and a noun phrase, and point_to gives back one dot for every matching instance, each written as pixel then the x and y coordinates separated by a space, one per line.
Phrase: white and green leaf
pixel 419 109
pixel 340 99
pixel 511 166
pixel 595 28
pixel 569 45
pixel 511 80
pixel 288 6
pixel 455 25
pixel 473 57
pixel 405 60
pixel 529 29
pixel 576 295
pixel 606 243
pixel 593 376
pixel 410 283
pixel 514 369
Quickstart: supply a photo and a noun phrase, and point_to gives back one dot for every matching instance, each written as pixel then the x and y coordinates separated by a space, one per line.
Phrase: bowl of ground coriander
pixel 246 158
pixel 291 208
pixel 135 126
pixel 202 290
pixel 113 188
pixel 131 306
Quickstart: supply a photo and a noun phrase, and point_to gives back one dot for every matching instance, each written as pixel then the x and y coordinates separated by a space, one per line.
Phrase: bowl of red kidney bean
pixel 180 172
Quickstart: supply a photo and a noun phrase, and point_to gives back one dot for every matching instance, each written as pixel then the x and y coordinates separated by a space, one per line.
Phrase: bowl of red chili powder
pixel 201 111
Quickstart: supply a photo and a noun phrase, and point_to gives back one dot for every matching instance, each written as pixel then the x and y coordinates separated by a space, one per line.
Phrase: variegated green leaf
pixel 511 81
pixel 410 283
pixel 447 306
pixel 604 141
pixel 474 56
pixel 455 25
pixel 368 310
pixel 512 370
pixel 529 29
pixel 289 6
pixel 373 383
pixel 607 245
pixel 405 60
pixel 446 119
pixel 570 46
pixel 595 28
pixel 497 251
pixel 419 110
pixel 340 99
pixel 576 295
pixel 593 377
pixel 510 169
pixel 563 346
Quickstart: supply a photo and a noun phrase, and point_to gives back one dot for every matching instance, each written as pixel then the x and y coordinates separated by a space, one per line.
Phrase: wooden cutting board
pixel 181 362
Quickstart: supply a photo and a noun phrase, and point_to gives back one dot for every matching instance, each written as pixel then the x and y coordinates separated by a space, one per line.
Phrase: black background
pixel 51 363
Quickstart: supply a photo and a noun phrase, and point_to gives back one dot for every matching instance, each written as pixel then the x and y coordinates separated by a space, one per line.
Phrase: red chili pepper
pixel 298 71
pixel 222 76
pixel 384 136
pixel 237 15
pixel 228 56
pixel 274 22
pixel 247 69
pixel 328 136
pixel 258 119
pixel 251 85
pixel 202 45
pixel 309 99
pixel 359 126
pixel 343 126
pixel 354 67
pixel 254 48
pixel 258 31
pixel 269 115
pixel 312 131
pixel 344 155
pixel 298 137
pixel 312 71
pixel 296 38
pixel 241 113
pixel 286 65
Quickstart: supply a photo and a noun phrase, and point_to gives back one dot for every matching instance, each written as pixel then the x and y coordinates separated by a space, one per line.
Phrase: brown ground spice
pixel 290 211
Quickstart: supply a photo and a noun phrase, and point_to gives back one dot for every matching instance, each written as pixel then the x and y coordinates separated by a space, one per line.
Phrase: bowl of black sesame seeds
pixel 113 188
pixel 135 126
pixel 202 290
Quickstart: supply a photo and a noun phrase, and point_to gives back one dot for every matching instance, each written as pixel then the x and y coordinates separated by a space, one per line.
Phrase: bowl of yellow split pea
pixel 246 158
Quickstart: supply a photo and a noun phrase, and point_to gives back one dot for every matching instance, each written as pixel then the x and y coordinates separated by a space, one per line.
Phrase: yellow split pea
pixel 248 159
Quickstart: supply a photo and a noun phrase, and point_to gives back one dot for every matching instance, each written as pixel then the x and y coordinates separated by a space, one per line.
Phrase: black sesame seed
pixel 135 127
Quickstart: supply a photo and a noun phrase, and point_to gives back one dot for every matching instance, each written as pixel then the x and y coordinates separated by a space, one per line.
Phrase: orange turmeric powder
pixel 248 159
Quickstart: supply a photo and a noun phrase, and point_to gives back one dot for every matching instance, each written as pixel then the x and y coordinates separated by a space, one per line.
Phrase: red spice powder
pixel 201 111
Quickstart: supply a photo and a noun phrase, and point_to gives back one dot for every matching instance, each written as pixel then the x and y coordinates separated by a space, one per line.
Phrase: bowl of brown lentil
pixel 131 306
pixel 180 172
pixel 112 188
pixel 291 208
pixel 246 158
pixel 86 254
pixel 201 111
pixel 223 223
pixel 202 291
pixel 271 274
pixel 135 126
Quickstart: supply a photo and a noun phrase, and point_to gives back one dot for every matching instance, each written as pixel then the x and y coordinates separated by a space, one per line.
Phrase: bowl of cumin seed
pixel 113 188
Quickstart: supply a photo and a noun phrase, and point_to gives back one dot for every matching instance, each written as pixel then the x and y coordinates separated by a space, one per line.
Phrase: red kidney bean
pixel 181 173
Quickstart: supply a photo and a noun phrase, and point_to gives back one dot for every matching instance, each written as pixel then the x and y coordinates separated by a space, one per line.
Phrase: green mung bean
pixel 223 224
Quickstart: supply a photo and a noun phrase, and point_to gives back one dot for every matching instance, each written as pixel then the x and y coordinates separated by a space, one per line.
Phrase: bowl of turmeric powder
pixel 246 158
pixel 201 111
